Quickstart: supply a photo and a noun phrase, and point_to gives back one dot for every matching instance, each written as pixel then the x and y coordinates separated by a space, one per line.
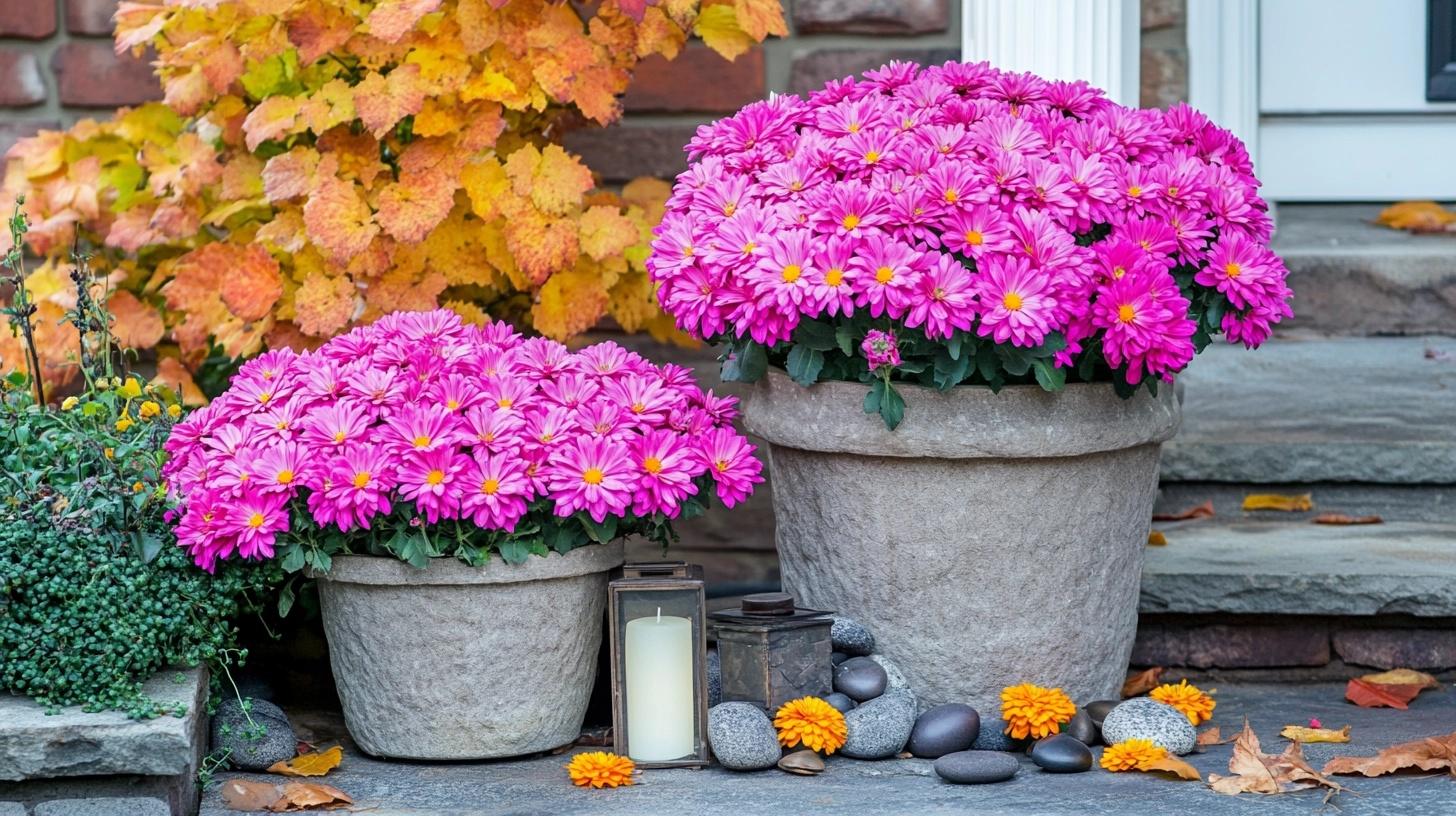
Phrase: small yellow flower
pixel 131 389
pixel 599 769
pixel 149 409
pixel 1033 711
pixel 1191 700
pixel 1132 755
pixel 138 487
pixel 174 410
pixel 69 402
pixel 124 424
pixel 110 453
pixel 812 722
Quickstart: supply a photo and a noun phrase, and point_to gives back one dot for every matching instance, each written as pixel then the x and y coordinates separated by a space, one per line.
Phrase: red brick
pixel 1164 77
pixel 90 16
pixel 810 73
pixel 1231 646
pixel 623 152
pixel 1162 13
pixel 12 132
pixel 21 83
pixel 699 80
pixel 871 16
pixel 91 75
pixel 1397 648
pixel 27 19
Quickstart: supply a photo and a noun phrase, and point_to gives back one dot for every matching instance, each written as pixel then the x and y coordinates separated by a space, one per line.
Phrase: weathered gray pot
pixel 991 539
pixel 458 662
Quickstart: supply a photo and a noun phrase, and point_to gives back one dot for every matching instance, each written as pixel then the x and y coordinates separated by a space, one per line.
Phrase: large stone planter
pixel 991 539
pixel 457 662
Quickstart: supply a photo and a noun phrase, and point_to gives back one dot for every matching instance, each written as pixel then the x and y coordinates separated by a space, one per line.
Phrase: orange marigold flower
pixel 599 769
pixel 812 722
pixel 1033 711
pixel 1191 700
pixel 1132 755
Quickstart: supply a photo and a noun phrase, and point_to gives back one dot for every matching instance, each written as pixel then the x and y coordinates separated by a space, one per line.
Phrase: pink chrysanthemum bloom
pixel 255 521
pixel 730 461
pixel 880 349
pixel 1145 324
pixel 281 468
pixel 592 475
pixel 665 470
pixel 945 299
pixel 1017 302
pixel 496 491
pixel 420 428
pixel 884 272
pixel 1240 269
pixel 432 480
pixel 356 488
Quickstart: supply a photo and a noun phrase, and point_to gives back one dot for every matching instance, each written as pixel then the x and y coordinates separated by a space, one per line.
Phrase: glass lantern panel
pixel 661 636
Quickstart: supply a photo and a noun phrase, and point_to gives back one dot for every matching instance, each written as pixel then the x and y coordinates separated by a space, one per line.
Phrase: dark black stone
pixel 860 679
pixel 1098 710
pixel 976 767
pixel 1062 754
pixel 944 729
pixel 841 702
pixel 1082 729
pixel 993 737
pixel 715 678
pixel 851 637
pixel 838 657
pixel 252 741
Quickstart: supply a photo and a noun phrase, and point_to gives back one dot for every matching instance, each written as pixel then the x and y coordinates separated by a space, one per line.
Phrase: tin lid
pixel 768 603
pixel 768 608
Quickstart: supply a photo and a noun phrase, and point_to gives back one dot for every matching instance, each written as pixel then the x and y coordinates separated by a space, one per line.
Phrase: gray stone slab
pixel 1391 502
pixel 103 807
pixel 909 786
pixel 12 809
pixel 36 745
pixel 1352 277
pixel 1379 410
pixel 1262 567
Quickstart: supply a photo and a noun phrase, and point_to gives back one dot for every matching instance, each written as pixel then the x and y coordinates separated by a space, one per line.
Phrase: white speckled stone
pixel 992 539
pixel 1146 718
pixel 458 662
pixel 742 737
pixel 879 729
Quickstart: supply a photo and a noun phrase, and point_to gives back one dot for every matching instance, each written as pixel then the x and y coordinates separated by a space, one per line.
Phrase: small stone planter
pixel 991 539
pixel 459 662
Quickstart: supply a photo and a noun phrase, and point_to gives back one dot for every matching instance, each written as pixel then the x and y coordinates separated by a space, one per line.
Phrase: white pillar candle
pixel 659 666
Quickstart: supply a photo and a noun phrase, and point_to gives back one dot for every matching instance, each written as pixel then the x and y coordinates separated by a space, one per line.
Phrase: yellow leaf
pixel 719 28
pixel 1403 677
pixel 605 232
pixel 553 179
pixel 274 117
pixel 485 181
pixel 317 763
pixel 760 18
pixel 1172 765
pixel 392 19
pixel 1157 539
pixel 1417 216
pixel 1276 501
pixel 570 303
pixel 1299 733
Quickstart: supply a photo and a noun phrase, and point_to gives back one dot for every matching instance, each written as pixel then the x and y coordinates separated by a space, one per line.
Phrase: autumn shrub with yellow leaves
pixel 318 163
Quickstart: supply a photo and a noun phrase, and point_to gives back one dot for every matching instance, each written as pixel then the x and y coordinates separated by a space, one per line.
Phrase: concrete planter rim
pixel 389 571
pixel 967 422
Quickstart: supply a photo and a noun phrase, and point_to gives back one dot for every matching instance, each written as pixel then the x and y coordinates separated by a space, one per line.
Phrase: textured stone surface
pixel 1273 416
pixel 12 809
pixel 812 71
pixel 886 537
pixel 453 662
pixel 893 674
pixel 715 677
pixel 1231 646
pixel 742 737
pixel 77 65
pixel 993 736
pixel 29 20
pixel 90 16
pixel 231 734
pixel 976 767
pixel 849 636
pixel 881 727
pixel 871 16
pixel 1393 503
pixel 1384 648
pixel 909 787
pixel 1145 718
pixel 34 745
pixel 1162 13
pixel 860 679
pixel 1255 567
pixel 1352 277
pixel 102 807
pixel 23 85
pixel 698 80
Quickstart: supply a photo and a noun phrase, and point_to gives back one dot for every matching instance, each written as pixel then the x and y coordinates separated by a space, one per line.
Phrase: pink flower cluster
pixel 453 420
pixel 960 198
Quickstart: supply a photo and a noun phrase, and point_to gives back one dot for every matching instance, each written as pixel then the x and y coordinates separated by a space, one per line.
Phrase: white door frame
pixel 1223 65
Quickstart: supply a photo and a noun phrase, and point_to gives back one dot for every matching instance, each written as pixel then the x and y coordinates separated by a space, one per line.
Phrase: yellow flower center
pixel 1125 313
pixel 729 209
pixel 436 477
pixel 1118 272
pixel 850 221
pixel 285 477
pixel 256 520
pixel 361 479
pixel 1012 301
pixel 937 293
pixel 974 238
pixel 749 247
pixel 490 486
pixel 834 277
pixel 721 465
pixel 951 196
pixel 872 156
pixel 505 402
pixel 884 275
pixel 422 442
pixel 1232 269
pixel 796 185
pixel 338 436
pixel 265 396
pixel 452 404
pixel 1172 190
pixel 853 127
pixel 687 251
pixel 592 476
pixel 638 407
pixel 652 464
pixel 792 272
pixel 1134 190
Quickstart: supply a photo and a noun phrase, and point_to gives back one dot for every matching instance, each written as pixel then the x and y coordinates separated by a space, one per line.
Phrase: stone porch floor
pixel 540 786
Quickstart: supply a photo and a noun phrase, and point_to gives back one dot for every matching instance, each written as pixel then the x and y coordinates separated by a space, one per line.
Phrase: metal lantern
pixel 659 664
pixel 773 651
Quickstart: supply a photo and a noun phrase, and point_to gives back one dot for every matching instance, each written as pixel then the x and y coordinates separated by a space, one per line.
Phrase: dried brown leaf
pixel 1212 735
pixel 1300 733
pixel 1157 539
pixel 1204 510
pixel 317 763
pixel 243 794
pixel 1279 501
pixel 1366 694
pixel 309 796
pixel 1142 682
pixel 1341 518
pixel 1253 771
pixel 1173 765
pixel 1429 754
pixel 1403 677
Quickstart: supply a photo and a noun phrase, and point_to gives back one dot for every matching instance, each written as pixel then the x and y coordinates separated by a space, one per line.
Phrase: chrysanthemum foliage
pixel 319 163
pixel 422 436
pixel 960 224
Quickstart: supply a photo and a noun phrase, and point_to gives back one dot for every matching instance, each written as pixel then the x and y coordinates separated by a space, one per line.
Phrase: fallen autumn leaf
pixel 1341 518
pixel 317 763
pixel 1299 733
pixel 1173 765
pixel 1429 754
pixel 1142 682
pixel 1253 771
pixel 1365 694
pixel 1204 510
pixel 1280 502
pixel 1157 539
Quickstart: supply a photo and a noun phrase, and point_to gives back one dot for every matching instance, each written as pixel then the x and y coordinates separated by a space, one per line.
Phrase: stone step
pixel 1352 277
pixel 1263 567
pixel 1393 503
pixel 1345 409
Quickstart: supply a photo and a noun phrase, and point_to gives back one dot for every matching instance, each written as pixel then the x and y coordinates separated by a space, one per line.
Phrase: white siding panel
pixel 1332 158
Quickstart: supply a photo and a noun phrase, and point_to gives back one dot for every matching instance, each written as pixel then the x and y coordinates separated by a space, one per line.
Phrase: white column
pixel 1223 65
pixel 1094 40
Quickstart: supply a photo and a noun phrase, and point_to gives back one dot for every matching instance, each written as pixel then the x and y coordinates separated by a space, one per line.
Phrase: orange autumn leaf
pixel 1253 771
pixel 172 374
pixel 1300 733
pixel 1341 518
pixel 413 206
pixel 569 302
pixel 1157 538
pixel 1174 766
pixel 1417 216
pixel 1276 501
pixel 290 175
pixel 136 325
pixel 1204 510
pixel 273 118
pixel 338 219
pixel 392 19
pixel 1429 754
pixel 316 763
pixel 1142 682
pixel 251 284
pixel 605 232
pixel 761 18
pixel 310 796
pixel 554 180
pixel 1213 735
pixel 1366 694
pixel 381 101
pixel 324 304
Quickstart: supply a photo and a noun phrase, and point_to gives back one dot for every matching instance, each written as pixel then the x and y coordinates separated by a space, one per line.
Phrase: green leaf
pixel 274 75
pixel 804 364
pixel 601 532
pixel 815 335
pixel 892 407
pixel 411 548
pixel 844 337
pixel 293 557
pixel 1016 360
pixel 1213 318
pixel 876 396
pixel 1048 376
pixel 747 362
pixel 950 370
pixel 286 597
pixel 988 365
pixel 953 345
pixel 515 551
pixel 1051 344
pixel 560 538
